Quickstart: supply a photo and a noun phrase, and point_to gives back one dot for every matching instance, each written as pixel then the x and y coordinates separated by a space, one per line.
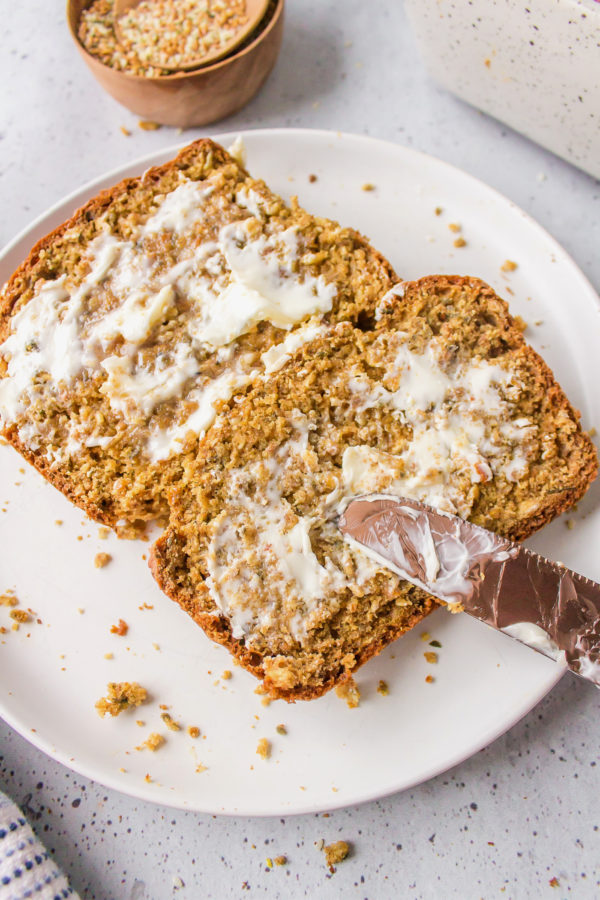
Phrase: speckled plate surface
pixel 52 672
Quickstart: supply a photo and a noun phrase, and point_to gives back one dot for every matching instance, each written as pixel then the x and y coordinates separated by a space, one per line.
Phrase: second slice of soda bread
pixel 441 401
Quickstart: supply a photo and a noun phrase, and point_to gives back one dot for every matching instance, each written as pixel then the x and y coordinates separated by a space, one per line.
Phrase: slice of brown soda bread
pixel 442 400
pixel 125 328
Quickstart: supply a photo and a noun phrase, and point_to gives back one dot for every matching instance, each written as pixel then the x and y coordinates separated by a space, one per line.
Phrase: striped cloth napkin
pixel 26 868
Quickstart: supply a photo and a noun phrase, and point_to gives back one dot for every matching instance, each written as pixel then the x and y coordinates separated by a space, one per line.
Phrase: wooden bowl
pixel 192 98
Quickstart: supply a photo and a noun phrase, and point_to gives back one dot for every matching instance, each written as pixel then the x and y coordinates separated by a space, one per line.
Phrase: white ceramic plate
pixel 52 673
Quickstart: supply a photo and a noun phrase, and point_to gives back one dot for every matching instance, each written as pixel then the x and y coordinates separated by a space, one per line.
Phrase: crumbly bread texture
pixel 439 399
pixel 126 327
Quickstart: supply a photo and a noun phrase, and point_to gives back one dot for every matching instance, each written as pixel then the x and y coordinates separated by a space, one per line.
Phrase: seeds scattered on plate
pixel 170 722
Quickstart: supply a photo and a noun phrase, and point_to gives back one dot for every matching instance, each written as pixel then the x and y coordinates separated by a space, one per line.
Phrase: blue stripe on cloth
pixel 26 869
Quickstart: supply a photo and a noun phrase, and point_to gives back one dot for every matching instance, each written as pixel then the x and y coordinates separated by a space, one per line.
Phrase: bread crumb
pixel 193 731
pixel 19 615
pixel 520 323
pixel 425 636
pixel 125 131
pixel 312 178
pixel 281 729
pixel 592 433
pixel 431 657
pixel 121 629
pixel 148 126
pixel 455 227
pixel 121 696
pixel 58 521
pixel 263 748
pixel 460 242
pixel 349 692
pixel 140 723
pixel 509 266
pixel 156 646
pixel 80 610
pixel 266 701
pixel 148 779
pixel 8 600
pixel 429 679
pixel 102 559
pixel 368 186
pixel 487 63
pixel 3 630
pixel 103 532
pixel 152 742
pixel 226 674
pixel 438 210
pixel 570 524
pixel 108 656
pixel 280 860
pixel 335 853
pixel 201 768
pixel 170 722
pixel 178 883
pixel 383 689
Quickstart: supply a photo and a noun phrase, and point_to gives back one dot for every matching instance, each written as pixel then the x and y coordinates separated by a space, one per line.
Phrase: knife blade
pixel 541 603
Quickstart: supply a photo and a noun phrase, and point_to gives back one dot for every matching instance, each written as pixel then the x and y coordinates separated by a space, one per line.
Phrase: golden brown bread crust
pixel 471 322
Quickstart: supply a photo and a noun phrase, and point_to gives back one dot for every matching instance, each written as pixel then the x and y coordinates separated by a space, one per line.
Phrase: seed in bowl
pixel 159 36
pixel 176 33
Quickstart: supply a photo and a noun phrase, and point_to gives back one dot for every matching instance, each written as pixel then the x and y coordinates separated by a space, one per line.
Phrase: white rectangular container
pixel 534 65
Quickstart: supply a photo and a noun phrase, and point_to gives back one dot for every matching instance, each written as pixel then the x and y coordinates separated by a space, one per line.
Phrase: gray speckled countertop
pixel 508 821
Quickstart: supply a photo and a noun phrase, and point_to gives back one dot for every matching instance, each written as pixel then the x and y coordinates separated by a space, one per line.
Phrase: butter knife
pixel 539 602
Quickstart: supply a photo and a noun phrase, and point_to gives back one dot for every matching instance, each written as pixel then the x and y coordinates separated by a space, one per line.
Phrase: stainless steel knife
pixel 539 602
